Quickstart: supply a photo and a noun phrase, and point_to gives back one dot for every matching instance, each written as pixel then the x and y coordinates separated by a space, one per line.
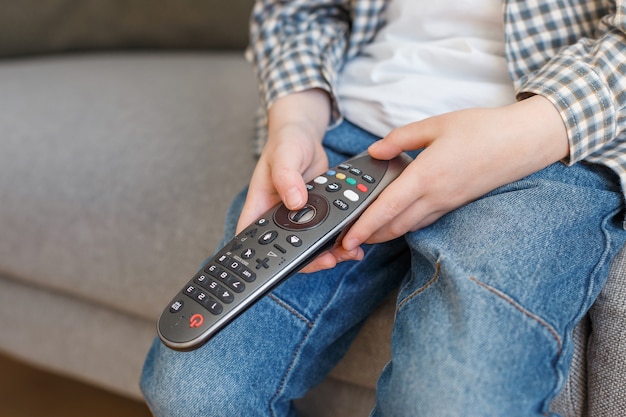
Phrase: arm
pixel 573 109
pixel 297 45
pixel 296 48
pixel 293 153
pixel 584 80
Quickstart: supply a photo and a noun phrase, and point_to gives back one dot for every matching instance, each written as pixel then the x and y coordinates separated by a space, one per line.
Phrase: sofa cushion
pixel 116 170
pixel 30 26
pixel 606 353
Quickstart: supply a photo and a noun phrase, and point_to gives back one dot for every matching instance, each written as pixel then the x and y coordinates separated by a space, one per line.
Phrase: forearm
pixel 308 111
pixel 298 45
pixel 582 74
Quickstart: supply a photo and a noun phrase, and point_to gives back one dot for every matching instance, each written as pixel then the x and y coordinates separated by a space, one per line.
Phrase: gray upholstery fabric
pixel 595 387
pixel 115 175
pixel 606 358
pixel 31 26
pixel 572 400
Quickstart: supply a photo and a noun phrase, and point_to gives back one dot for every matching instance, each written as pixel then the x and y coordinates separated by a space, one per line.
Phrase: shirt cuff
pixel 583 99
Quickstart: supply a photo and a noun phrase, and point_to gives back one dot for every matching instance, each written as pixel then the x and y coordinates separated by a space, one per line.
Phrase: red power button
pixel 196 321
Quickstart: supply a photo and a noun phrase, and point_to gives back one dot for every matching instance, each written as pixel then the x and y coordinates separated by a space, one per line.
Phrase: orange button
pixel 362 188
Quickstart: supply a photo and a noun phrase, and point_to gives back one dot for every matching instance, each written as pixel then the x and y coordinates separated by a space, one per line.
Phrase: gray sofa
pixel 125 130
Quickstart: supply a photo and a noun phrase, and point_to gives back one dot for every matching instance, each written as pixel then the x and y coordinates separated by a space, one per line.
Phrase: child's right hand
pixel 292 155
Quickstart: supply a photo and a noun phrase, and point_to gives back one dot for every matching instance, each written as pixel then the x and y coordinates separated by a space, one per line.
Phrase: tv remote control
pixel 277 245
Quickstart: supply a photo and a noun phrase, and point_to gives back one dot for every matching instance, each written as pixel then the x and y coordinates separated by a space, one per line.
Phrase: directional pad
pixel 310 216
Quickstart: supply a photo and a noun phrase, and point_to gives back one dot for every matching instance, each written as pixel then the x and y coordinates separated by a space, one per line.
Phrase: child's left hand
pixel 466 154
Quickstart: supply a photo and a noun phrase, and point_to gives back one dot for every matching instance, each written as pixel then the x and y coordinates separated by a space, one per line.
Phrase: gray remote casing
pixel 277 245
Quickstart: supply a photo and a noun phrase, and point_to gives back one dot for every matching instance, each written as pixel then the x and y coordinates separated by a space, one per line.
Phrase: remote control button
pixel 201 279
pixel 262 222
pixel 368 178
pixel 302 216
pixel 177 306
pixel 196 320
pixel 247 275
pixel 225 296
pixel 340 204
pixel 310 187
pixel 234 266
pixel 333 186
pixel 320 180
pixel 213 306
pixel 191 290
pixel 294 241
pixel 212 270
pixel 248 253
pixel 344 166
pixel 223 275
pixel 268 237
pixel 351 195
pixel 262 263
pixel 201 296
pixel 309 217
pixel 355 171
pixel 280 248
pixel 362 188
pixel 351 181
pixel 236 284
pixel 214 287
pixel 331 172
pixel 341 176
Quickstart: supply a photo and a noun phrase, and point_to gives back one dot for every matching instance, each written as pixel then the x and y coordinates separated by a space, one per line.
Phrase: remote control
pixel 277 245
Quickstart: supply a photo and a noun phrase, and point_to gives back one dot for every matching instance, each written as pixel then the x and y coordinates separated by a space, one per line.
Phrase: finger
pixel 324 261
pixel 253 208
pixel 400 227
pixel 331 258
pixel 386 212
pixel 408 137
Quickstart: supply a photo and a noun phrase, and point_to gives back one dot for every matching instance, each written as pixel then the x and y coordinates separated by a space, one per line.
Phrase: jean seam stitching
pixel 291 310
pixel 521 309
pixel 421 289
pixel 310 325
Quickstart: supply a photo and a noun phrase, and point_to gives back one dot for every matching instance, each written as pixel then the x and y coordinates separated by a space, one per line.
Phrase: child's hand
pixel 467 154
pixel 293 154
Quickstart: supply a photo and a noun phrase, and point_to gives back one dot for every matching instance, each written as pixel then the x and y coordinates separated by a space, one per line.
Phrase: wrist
pixel 542 127
pixel 308 111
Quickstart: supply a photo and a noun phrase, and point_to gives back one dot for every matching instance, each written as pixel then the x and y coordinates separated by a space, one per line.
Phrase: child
pixel 499 234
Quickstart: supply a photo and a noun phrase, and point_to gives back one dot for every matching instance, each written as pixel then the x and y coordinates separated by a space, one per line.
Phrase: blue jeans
pixel 488 298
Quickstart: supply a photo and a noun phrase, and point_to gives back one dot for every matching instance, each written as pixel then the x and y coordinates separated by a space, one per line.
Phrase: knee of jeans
pixel 174 387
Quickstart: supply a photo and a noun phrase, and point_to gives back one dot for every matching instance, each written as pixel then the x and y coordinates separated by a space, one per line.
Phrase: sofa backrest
pixel 35 26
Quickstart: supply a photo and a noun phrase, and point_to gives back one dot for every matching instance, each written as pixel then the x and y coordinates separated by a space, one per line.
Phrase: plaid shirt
pixel 574 55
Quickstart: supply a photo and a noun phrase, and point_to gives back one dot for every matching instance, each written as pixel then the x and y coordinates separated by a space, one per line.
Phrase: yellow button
pixel 341 176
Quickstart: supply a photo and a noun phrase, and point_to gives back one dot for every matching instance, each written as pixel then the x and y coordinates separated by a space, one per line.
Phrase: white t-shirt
pixel 432 57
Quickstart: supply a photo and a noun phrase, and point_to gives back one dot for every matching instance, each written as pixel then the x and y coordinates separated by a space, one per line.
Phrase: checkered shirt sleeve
pixel 301 44
pixel 576 57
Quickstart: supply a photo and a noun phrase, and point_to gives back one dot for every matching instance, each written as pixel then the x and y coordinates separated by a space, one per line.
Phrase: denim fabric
pixel 489 295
